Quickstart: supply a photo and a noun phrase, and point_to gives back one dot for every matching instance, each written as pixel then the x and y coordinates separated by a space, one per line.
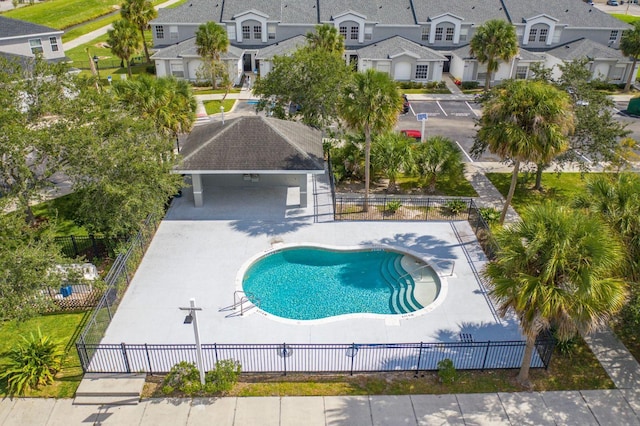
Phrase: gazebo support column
pixel 196 184
pixel 303 190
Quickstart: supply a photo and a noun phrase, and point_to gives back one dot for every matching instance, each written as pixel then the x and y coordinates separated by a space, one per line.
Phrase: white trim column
pixel 303 190
pixel 196 184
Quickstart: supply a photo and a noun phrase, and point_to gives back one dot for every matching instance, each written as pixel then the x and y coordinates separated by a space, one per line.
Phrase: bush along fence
pixel 116 282
pixel 90 247
pixel 314 358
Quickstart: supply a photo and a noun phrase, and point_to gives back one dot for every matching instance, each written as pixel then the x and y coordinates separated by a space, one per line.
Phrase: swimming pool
pixel 308 283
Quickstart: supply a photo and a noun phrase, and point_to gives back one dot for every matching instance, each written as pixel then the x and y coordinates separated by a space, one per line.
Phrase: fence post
pixel 215 351
pixel 94 246
pixel 284 357
pixel 426 212
pixel 353 355
pixel 486 354
pixel 146 351
pixel 125 358
pixel 75 245
pixel 384 207
pixel 419 359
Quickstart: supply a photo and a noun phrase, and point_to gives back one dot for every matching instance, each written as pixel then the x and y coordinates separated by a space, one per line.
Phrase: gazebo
pixel 252 151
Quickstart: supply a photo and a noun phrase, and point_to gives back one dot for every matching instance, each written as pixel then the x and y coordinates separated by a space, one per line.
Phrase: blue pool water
pixel 311 283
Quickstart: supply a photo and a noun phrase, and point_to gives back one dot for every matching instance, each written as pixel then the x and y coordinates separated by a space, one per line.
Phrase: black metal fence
pixel 314 358
pixel 90 247
pixel 402 208
pixel 117 281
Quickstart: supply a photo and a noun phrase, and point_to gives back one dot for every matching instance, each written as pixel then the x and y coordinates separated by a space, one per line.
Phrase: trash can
pixel 634 106
pixel 66 291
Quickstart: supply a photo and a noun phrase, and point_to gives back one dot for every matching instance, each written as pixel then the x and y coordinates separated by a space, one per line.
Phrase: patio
pixel 197 253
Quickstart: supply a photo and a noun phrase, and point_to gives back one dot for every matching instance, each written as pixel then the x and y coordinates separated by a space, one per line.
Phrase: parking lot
pixel 443 109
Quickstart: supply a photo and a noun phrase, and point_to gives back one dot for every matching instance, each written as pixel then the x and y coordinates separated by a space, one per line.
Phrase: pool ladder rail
pixel 239 299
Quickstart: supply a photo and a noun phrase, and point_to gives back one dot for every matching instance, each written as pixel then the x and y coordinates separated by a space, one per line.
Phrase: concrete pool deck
pixel 197 253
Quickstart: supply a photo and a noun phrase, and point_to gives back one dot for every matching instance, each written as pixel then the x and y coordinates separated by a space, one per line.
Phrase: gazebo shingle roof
pixel 252 144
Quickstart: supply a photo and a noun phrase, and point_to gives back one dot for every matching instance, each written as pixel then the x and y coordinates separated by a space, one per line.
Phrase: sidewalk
pixel 602 407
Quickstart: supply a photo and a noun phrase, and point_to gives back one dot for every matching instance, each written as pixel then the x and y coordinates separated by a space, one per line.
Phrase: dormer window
pixel 425 33
pixel 439 31
pixel 449 36
pixel 343 32
pixel 257 32
pixel 354 33
pixel 246 31
pixel 533 32
pixel 544 33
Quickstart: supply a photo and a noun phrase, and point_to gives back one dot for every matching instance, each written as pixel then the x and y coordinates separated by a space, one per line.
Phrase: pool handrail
pixel 243 299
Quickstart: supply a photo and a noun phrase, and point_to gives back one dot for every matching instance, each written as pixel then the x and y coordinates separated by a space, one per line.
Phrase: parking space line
pixel 411 109
pixel 442 109
pixel 464 152
pixel 472 110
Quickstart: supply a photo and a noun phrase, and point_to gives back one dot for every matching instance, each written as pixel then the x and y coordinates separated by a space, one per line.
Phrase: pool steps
pixel 402 300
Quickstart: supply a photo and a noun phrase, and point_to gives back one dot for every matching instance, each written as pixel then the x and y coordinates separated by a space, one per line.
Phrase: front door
pixel 246 62
pixel 447 64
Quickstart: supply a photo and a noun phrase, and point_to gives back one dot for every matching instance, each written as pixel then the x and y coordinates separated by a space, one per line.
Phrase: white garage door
pixel 402 71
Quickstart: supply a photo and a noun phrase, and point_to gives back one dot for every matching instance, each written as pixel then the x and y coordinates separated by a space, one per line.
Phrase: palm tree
pixel 436 157
pixel 391 154
pixel 617 200
pixel 524 120
pixel 211 42
pixel 168 102
pixel 326 37
pixel 370 103
pixel 630 46
pixel 139 13
pixel 124 41
pixel 493 41
pixel 556 269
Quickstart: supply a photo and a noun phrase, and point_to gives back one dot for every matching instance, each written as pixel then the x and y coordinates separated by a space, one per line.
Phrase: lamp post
pixel 192 318
pixel 95 61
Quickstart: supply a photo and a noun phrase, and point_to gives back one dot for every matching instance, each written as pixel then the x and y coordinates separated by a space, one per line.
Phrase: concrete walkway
pixel 602 407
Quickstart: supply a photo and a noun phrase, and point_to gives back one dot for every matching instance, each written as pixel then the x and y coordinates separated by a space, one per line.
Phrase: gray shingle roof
pixel 397 45
pixel 253 143
pixel 192 12
pixel 574 13
pixel 283 11
pixel 187 48
pixel 387 12
pixel 14 27
pixel 583 47
pixel 526 55
pixel 284 47
pixel 470 11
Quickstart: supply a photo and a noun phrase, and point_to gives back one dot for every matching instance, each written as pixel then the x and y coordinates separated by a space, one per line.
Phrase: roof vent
pixel 379 7
pixel 567 10
pixel 473 7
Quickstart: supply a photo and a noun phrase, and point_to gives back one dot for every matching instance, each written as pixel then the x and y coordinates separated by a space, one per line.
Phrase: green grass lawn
pixel 213 107
pixel 561 188
pixel 626 18
pixel 61 210
pixel 63 329
pixel 202 91
pixel 88 27
pixel 61 14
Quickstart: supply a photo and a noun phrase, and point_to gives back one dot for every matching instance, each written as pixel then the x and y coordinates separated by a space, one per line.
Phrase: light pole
pixel 95 61
pixel 222 112
pixel 192 318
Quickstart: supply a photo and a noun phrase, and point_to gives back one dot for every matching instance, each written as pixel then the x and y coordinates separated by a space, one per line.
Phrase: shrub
pixel 456 206
pixel 151 69
pixel 490 215
pixel 184 376
pixel 447 371
pixel 32 364
pixel 468 85
pixel 393 206
pixel 224 377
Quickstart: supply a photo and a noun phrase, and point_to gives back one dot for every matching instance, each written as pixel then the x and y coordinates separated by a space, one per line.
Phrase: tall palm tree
pixel 139 13
pixel 436 157
pixel 391 154
pixel 556 269
pixel 168 102
pixel 370 104
pixel 630 46
pixel 124 41
pixel 326 37
pixel 211 42
pixel 493 41
pixel 525 120
pixel 617 200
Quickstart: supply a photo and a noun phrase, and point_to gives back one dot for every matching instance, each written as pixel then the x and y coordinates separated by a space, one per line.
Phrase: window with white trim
pixel 36 45
pixel 354 33
pixel 614 35
pixel 177 69
pixel 246 32
pixel 439 31
pixel 54 44
pixel 257 32
pixel 544 33
pixel 343 32
pixel 422 72
pixel 449 35
pixel 159 32
pixel 271 31
pixel 521 72
pixel 617 73
pixel 533 32
pixel 463 34
pixel 425 33
pixel 173 32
